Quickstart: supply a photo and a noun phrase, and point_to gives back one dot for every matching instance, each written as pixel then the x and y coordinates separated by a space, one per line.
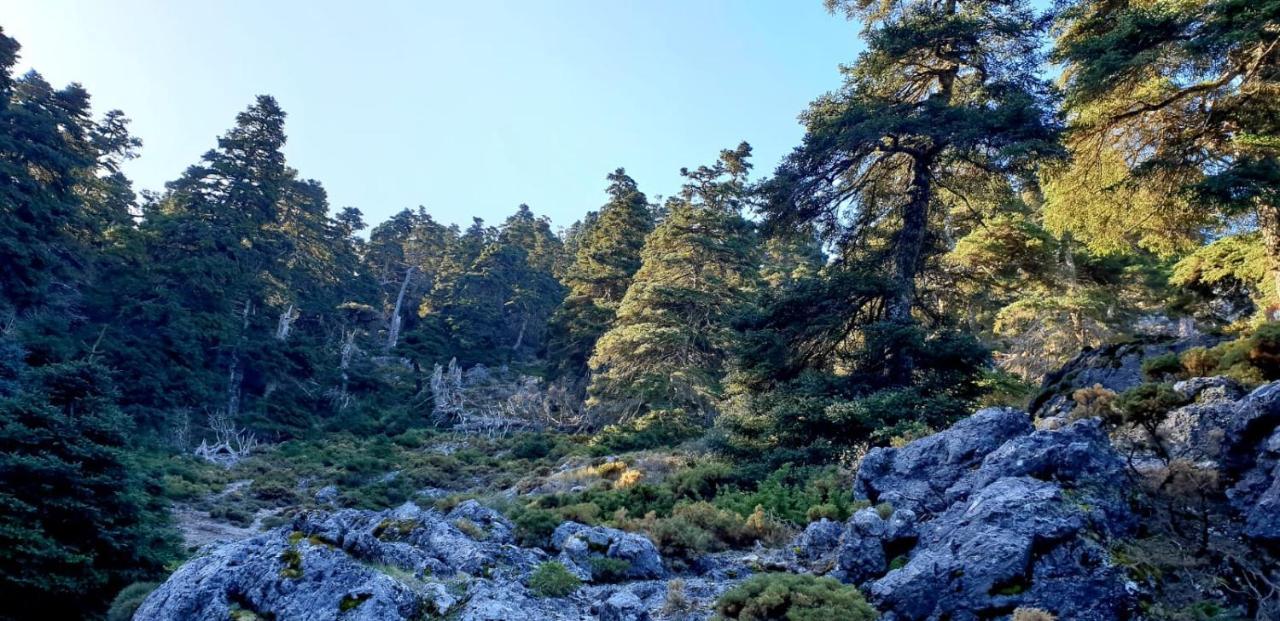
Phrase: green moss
pixel 351 602
pixel 292 561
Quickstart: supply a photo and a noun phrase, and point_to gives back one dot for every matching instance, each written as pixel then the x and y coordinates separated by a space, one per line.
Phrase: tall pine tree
pixel 667 349
pixel 606 258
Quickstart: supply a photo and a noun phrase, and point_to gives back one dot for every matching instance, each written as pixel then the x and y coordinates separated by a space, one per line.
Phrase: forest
pixel 996 187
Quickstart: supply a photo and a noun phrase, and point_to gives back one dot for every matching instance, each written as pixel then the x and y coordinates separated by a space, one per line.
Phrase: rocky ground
pixel 971 523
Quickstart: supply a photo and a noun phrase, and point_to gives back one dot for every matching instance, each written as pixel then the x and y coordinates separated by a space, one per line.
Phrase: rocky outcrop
pixel 414 563
pixel 580 544
pixel 1252 462
pixel 1116 367
pixel 917 475
pixel 987 516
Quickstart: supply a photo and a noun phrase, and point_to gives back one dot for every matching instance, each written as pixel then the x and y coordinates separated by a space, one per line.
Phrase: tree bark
pixel 1269 226
pixel 908 247
pixel 393 330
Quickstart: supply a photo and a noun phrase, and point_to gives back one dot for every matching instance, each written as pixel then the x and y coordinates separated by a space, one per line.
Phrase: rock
pixel 1209 389
pixel 494 525
pixel 327 495
pixel 1015 543
pixel 624 606
pixel 818 540
pixel 1115 367
pixel 578 543
pixel 1078 457
pixel 917 475
pixel 1257 494
pixel 396 564
pixel 990 515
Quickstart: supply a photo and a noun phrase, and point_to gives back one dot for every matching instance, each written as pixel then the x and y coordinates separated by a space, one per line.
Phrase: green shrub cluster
pixel 706 507
pixel 553 579
pixel 1251 359
pixel 792 597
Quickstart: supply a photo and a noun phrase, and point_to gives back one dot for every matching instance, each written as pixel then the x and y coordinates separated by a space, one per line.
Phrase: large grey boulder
pixel 579 544
pixel 1016 542
pixel 917 475
pixel 990 515
pixel 871 541
pixel 818 540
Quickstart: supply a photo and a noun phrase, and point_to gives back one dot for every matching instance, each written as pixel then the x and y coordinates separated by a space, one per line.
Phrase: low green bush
pixel 128 600
pixel 1147 405
pixel 610 570
pixel 534 527
pixel 793 597
pixel 553 579
pixel 1163 367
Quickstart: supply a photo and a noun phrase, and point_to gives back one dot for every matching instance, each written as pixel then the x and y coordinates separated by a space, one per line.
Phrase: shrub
pixel 585 513
pixel 532 446
pixel 535 526
pixel 1146 405
pixel 791 597
pixel 471 529
pixel 656 429
pixel 1201 361
pixel 231 513
pixel 763 527
pixel 1250 360
pixel 605 569
pixel 1091 402
pixel 1162 367
pixel 676 601
pixel 789 492
pixel 128 600
pixel 553 579
pixel 821 512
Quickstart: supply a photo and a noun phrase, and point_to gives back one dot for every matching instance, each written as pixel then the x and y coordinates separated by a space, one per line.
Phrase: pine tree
pixel 1174 121
pixel 666 352
pixel 46 151
pixel 606 258
pixel 498 308
pixel 75 522
pixel 944 87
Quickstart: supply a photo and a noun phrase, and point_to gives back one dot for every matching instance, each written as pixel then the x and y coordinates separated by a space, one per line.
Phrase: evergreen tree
pixel 497 310
pixel 46 151
pixel 75 522
pixel 666 352
pixel 1174 121
pixel 944 87
pixel 606 258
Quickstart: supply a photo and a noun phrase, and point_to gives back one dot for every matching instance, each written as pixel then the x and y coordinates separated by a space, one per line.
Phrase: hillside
pixel 998 339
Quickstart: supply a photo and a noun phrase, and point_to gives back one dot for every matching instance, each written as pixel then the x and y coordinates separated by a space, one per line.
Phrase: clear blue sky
pixel 468 108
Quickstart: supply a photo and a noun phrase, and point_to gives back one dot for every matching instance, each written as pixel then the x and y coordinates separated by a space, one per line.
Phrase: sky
pixel 466 108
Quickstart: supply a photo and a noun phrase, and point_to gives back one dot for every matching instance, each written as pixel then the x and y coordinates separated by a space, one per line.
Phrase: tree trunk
pixel 908 248
pixel 235 374
pixel 1269 226
pixel 520 337
pixel 393 330
pixel 285 324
